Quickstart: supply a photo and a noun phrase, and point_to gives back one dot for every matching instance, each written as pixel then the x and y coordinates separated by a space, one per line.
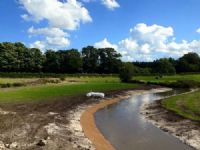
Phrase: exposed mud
pixel 186 130
pixel 46 125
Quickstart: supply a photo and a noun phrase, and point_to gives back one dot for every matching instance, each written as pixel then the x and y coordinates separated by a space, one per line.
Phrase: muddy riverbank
pixel 185 130
pixel 88 118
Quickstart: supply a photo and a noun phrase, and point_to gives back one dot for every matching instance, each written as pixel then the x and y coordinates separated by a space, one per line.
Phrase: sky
pixel 141 30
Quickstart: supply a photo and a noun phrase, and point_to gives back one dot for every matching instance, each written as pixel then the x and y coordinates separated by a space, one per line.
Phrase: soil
pixel 47 125
pixel 186 130
pixel 39 126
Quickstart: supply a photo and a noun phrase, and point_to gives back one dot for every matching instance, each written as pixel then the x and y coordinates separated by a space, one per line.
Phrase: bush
pixel 62 78
pixel 126 72
pixel 6 85
pixel 18 84
pixel 185 84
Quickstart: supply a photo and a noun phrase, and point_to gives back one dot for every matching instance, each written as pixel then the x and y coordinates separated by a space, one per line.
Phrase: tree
pixel 189 63
pixel 52 62
pixel 90 59
pixel 70 61
pixel 36 60
pixel 109 60
pixel 126 72
pixel 163 66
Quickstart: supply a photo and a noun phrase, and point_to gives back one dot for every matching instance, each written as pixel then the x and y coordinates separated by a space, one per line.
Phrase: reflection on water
pixel 126 129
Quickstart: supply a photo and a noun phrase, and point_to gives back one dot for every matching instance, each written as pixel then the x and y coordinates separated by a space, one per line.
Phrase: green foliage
pixel 109 60
pixel 126 72
pixel 90 59
pixel 189 63
pixel 15 57
pixel 164 66
pixel 72 62
pixel 185 84
pixel 103 60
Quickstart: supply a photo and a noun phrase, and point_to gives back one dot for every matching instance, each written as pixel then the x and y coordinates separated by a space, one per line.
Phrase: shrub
pixel 62 78
pixel 18 84
pixel 6 85
pixel 185 84
pixel 126 72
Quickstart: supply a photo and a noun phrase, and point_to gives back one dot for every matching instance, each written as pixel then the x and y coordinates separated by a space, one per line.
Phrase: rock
pixel 70 139
pixel 7 145
pixel 14 145
pixel 42 142
pixel 2 146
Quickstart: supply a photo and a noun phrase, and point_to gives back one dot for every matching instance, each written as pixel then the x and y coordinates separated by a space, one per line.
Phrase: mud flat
pixel 43 126
pixel 186 130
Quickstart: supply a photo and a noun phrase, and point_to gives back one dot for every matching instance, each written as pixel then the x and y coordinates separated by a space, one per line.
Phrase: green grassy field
pixel 174 78
pixel 79 86
pixel 186 105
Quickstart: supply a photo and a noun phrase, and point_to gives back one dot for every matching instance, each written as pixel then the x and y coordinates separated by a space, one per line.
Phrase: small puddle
pixel 125 128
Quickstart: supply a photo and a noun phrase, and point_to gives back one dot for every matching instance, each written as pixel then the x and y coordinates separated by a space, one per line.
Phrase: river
pixel 126 129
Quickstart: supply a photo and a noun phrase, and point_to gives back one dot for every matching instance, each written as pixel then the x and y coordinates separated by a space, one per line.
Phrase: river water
pixel 125 128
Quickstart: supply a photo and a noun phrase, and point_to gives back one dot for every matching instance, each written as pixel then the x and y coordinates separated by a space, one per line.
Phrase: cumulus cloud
pixel 105 44
pixel 51 32
pixel 60 15
pixel 53 38
pixel 66 15
pixel 110 4
pixel 150 42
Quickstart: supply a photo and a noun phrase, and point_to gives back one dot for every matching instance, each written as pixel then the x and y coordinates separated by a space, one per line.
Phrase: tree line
pixel 16 57
pixel 188 63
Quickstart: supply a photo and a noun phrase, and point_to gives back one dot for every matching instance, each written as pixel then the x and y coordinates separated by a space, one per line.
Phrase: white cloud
pixel 54 38
pixel 198 30
pixel 65 15
pixel 60 15
pixel 50 32
pixel 38 44
pixel 105 44
pixel 150 42
pixel 110 4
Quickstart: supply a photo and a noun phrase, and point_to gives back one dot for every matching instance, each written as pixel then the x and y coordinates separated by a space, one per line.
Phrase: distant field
pixel 195 77
pixel 69 87
pixel 16 80
pixel 186 105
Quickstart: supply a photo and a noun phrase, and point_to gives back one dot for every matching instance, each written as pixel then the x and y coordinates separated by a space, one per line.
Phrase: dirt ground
pixel 186 130
pixel 47 125
pixel 38 126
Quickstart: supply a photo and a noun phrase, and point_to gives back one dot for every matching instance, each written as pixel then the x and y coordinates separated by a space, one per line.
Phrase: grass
pixel 16 80
pixel 45 92
pixel 186 105
pixel 173 78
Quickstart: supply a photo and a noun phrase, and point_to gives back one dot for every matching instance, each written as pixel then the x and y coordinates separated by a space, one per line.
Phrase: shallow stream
pixel 126 129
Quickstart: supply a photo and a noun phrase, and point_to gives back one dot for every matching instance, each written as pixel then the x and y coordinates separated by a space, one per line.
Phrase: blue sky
pixel 158 26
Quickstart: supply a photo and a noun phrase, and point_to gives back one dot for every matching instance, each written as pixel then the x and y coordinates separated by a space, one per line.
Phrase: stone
pixel 42 142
